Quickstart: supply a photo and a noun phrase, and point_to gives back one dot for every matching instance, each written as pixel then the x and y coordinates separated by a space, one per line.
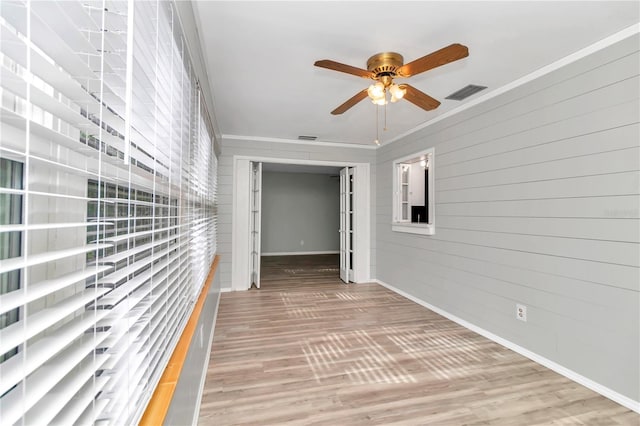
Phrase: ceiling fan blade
pixel 419 98
pixel 337 66
pixel 440 57
pixel 350 102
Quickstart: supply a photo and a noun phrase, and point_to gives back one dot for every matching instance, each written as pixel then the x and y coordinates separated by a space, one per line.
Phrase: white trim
pixel 413 228
pixel 241 225
pixel 408 226
pixel 255 206
pixel 362 224
pixel 300 253
pixel 299 161
pixel 595 47
pixel 297 141
pixel 226 290
pixel 564 371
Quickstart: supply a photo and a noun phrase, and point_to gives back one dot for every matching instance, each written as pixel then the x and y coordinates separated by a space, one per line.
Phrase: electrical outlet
pixel 301 242
pixel 521 312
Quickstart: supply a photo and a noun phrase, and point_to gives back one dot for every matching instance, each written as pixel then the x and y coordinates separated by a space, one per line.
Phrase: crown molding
pixel 297 142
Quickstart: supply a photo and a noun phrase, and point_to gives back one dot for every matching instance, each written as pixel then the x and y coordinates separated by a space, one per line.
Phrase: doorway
pixel 300 222
pixel 353 230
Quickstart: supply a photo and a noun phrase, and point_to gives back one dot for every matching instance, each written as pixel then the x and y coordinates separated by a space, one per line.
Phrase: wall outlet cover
pixel 521 312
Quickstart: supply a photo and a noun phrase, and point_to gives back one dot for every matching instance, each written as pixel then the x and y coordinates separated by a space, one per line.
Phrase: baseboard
pixel 570 374
pixel 226 290
pixel 300 253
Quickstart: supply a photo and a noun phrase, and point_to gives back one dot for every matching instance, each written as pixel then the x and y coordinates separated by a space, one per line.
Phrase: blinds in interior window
pixel 102 115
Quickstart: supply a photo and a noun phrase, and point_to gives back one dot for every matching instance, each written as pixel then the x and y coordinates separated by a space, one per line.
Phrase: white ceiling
pixel 260 55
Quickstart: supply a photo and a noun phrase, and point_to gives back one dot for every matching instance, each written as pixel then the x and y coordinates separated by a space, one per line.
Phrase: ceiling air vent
pixel 307 138
pixel 465 92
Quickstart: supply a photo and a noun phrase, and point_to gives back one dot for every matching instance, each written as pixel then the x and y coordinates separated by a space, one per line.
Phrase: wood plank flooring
pixel 306 349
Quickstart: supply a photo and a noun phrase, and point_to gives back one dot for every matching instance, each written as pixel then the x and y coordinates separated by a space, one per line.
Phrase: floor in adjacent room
pixel 307 349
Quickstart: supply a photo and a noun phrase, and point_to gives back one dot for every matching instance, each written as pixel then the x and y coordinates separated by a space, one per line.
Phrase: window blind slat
pixel 25 329
pixel 115 343
pixel 118 257
pixel 45 226
pixel 92 414
pixel 40 258
pixel 51 404
pixel 14 370
pixel 45 379
pixel 117 276
pixel 118 294
pixel 74 408
pixel 41 289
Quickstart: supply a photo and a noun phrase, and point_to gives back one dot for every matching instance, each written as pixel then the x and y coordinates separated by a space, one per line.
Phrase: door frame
pixel 241 218
pixel 255 206
pixel 345 212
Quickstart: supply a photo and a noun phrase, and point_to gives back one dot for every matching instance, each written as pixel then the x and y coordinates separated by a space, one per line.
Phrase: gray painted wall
pixel 185 404
pixel 537 202
pixel 300 212
pixel 276 150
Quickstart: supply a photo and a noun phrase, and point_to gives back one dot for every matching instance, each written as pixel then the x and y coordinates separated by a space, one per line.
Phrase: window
pixel 10 237
pixel 413 197
pixel 107 206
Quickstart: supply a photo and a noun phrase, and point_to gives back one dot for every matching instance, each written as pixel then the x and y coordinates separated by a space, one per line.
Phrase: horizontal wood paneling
pixel 620 160
pixel 625 206
pixel 509 284
pixel 541 188
pixel 537 202
pixel 580 228
pixel 626 277
pixel 533 149
pixel 527 118
pixel 617 253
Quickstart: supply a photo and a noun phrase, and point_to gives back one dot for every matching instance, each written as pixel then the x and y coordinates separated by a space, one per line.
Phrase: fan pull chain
pixel 377 141
pixel 385 117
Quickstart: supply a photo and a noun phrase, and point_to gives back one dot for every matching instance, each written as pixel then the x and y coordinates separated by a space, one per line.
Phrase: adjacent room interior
pixel 300 224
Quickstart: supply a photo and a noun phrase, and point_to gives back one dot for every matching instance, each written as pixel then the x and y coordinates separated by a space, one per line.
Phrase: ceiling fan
pixel 384 67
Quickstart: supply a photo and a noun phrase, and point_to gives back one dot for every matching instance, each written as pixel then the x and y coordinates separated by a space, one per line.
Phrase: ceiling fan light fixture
pixel 397 92
pixel 380 101
pixel 376 91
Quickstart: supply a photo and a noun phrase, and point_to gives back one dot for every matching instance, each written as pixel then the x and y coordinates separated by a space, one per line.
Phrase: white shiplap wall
pixel 277 150
pixel 537 202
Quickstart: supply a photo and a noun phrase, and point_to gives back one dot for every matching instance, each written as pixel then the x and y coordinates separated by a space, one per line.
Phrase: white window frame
pixel 398 223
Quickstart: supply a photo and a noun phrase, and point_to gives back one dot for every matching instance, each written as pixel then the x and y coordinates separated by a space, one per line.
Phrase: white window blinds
pixel 107 206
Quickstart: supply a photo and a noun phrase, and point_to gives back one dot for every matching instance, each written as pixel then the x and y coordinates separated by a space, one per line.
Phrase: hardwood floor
pixel 285 272
pixel 306 349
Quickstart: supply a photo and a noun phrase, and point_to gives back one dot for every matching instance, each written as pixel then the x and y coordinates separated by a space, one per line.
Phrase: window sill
pixel 414 228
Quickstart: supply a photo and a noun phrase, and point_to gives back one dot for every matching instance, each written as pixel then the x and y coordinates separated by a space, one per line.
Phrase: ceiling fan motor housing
pixel 385 64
